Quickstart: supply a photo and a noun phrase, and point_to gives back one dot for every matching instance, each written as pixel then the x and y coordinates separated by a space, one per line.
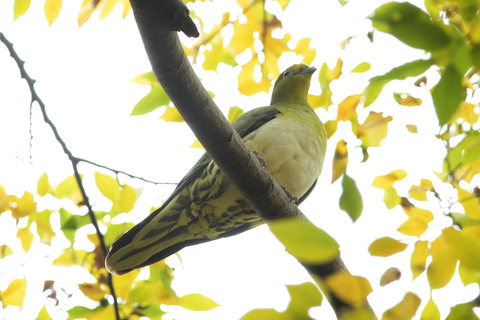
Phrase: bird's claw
pixel 260 159
pixel 290 195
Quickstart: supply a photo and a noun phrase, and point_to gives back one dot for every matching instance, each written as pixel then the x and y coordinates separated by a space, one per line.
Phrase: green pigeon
pixel 205 206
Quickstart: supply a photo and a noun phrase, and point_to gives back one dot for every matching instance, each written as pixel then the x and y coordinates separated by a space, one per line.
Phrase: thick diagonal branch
pixel 179 81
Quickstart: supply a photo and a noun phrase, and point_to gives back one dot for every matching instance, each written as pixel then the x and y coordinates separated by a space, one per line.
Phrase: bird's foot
pixel 260 159
pixel 290 195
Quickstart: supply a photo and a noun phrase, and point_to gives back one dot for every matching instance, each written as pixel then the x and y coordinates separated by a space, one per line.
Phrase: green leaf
pixel 70 223
pixel 430 312
pixel 351 199
pixel 448 94
pixel 362 67
pixel 462 311
pixel 410 25
pixel 409 69
pixel 197 302
pixel 43 314
pixel 152 311
pixel 468 8
pixel 19 8
pixel 80 312
pixel 265 314
pixel 303 297
pixel 147 79
pixel 108 186
pixel 153 100
pixel 305 241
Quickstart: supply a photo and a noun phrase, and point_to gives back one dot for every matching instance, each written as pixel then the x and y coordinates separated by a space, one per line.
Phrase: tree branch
pixel 73 160
pixel 227 149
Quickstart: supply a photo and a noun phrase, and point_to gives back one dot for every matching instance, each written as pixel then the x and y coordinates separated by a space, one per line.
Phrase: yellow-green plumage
pixel 206 206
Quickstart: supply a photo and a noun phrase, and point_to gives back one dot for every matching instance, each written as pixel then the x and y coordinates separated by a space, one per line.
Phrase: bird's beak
pixel 310 70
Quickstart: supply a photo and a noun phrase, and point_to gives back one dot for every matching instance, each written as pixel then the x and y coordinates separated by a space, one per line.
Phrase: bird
pixel 290 138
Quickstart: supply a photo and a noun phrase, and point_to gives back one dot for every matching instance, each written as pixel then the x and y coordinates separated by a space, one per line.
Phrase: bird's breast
pixel 293 152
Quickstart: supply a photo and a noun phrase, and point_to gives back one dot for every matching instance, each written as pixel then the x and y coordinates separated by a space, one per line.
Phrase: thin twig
pixel 73 160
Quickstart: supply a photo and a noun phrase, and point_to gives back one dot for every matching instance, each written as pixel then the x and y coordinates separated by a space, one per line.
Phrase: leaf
pixel 234 113
pixel 419 258
pixel 462 311
pixel 362 67
pixel 386 182
pixel 443 265
pixel 420 192
pixel 246 83
pixel 303 297
pixel 197 302
pixel 385 247
pixel 448 94
pixel 347 108
pixel 465 246
pixel 413 227
pixel 143 293
pixel 410 25
pixel 351 199
pixel 470 203
pixel 374 129
pixel 351 289
pixel 43 186
pixel 467 275
pixel 127 199
pixel 108 186
pixel 340 160
pixel 123 284
pixel 15 293
pixel 171 114
pixel 305 241
pixel 409 69
pixel 24 206
pixel 107 8
pixel 412 128
pixel 405 309
pixel 43 314
pixel 154 99
pixel 430 312
pixel 264 314
pixel 5 251
pixel 19 8
pixel 390 275
pixel 52 10
pixel 80 312
pixel 86 10
pixel 26 238
pixel 68 188
pixel 3 199
pixel 92 291
pixel 303 48
pixel 405 99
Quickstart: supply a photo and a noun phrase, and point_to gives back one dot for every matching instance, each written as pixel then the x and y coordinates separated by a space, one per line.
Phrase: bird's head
pixel 292 85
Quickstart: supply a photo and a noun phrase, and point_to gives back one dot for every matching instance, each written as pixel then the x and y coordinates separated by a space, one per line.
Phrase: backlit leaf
pixel 234 113
pixel 420 192
pixel 448 94
pixel 68 188
pixel 108 186
pixel 43 186
pixel 462 311
pixel 265 314
pixel 413 227
pixel 107 8
pixel 410 25
pixel 171 114
pixel 5 251
pixel 430 312
pixel 52 10
pixel 3 199
pixel 351 199
pixel 419 258
pixel 467 274
pixel 303 297
pixel 24 206
pixel 470 203
pixel 93 291
pixel 385 247
pixel 385 182
pixel 127 198
pixel 153 100
pixel 26 238
pixel 143 293
pixel 374 129
pixel 412 128
pixel 15 293
pixel 443 265
pixel 303 48
pixel 351 289
pixel 123 284
pixel 19 8
pixel 407 100
pixel 390 275
pixel 465 247
pixel 340 160
pixel 405 309
pixel 362 67
pixel 197 302
pixel 305 241
pixel 43 314
pixel 346 108
pixel 86 10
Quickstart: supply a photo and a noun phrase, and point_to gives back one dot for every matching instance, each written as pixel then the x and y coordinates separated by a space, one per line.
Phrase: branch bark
pixel 212 129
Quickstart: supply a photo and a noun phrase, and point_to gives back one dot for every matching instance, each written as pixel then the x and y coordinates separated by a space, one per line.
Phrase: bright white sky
pixel 83 76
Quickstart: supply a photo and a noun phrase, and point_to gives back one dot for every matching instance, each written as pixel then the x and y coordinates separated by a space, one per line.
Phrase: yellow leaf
pixel 336 72
pixel 3 199
pixel 470 202
pixel 71 257
pixel 351 289
pixel 385 182
pixel 405 309
pixel 234 113
pixel 340 160
pixel 43 314
pixel 464 246
pixel 391 198
pixel 467 275
pixel 24 206
pixel 466 112
pixel 5 251
pixel 246 82
pixel 430 312
pixel 347 108
pixel 52 10
pixel 374 129
pixel 123 284
pixel 362 67
pixel 303 48
pixel 420 192
pixel 15 293
pixel 128 197
pixel 94 291
pixel 19 8
pixel 126 8
pixel 419 258
pixel 107 8
pixel 43 186
pixel 143 293
pixel 108 186
pixel 418 213
pixel 443 265
pixel 392 274
pixel 102 313
pixel 68 188
pixel 405 99
pixel 412 128
pixel 196 144
pixel 171 114
pixel 385 247
pixel 413 227
pixel 86 10
pixel 197 302
pixel 26 238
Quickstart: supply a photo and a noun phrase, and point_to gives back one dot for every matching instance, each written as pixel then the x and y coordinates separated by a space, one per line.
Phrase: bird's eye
pixel 286 73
